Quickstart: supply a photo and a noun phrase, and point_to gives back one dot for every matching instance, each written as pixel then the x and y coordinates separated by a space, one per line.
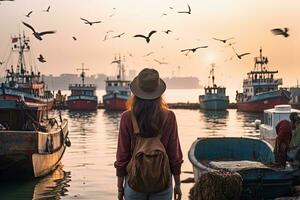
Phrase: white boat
pixel 271 118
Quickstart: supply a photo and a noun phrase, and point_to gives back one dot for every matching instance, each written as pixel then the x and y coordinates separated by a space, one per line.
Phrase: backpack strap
pixel 136 129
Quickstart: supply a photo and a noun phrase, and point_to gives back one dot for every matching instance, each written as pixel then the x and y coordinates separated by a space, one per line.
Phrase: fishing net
pixel 217 185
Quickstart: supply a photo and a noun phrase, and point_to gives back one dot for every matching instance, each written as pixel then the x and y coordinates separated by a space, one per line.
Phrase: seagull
pixel 41 58
pixel 38 35
pixel 90 23
pixel 130 54
pixel 279 31
pixel 187 12
pixel 47 10
pixel 167 31
pixel 240 55
pixel 118 36
pixel 160 62
pixel 28 14
pixel 193 49
pixel 224 41
pixel 116 61
pixel 148 54
pixel 145 37
pixel 171 8
pixel 112 15
pixel 1 62
pixel 74 38
pixel 164 14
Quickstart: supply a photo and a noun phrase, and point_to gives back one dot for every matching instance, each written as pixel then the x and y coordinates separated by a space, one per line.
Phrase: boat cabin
pixel 18 115
pixel 83 89
pixel 119 86
pixel 271 118
pixel 215 90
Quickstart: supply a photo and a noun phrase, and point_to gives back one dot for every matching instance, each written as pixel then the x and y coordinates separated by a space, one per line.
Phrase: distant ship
pixel 20 83
pixel 117 90
pixel 215 97
pixel 260 89
pixel 83 96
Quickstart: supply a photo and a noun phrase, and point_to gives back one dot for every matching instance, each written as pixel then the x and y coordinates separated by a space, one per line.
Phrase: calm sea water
pixel 87 170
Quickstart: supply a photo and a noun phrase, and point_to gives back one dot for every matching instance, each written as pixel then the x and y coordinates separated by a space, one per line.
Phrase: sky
pixel 249 22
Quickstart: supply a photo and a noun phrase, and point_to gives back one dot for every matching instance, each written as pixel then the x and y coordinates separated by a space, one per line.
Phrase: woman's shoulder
pixel 125 116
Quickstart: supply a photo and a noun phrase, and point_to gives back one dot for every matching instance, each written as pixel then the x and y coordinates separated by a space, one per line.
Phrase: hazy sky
pixel 248 21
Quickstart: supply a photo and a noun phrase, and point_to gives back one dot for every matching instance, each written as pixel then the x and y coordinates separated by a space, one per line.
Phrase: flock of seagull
pixel 147 37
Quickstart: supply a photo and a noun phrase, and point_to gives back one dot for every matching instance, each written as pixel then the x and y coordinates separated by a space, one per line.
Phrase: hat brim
pixel 137 91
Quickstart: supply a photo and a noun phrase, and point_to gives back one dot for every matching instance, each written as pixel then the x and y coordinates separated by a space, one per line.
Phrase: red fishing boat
pixel 260 89
pixel 83 96
pixel 117 90
pixel 21 83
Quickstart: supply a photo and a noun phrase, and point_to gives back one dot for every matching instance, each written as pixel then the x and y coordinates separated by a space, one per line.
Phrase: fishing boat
pixel 117 90
pixel 20 82
pixel 215 96
pixel 83 96
pixel 260 89
pixel 271 118
pixel 31 144
pixel 250 157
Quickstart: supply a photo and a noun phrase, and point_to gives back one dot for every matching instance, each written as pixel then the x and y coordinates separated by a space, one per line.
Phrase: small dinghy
pixel 252 158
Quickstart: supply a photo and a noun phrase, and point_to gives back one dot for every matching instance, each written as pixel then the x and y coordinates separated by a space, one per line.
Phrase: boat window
pixel 109 84
pixel 115 84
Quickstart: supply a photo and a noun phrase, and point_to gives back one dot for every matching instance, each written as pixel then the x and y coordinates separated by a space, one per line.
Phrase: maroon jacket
pixel 169 139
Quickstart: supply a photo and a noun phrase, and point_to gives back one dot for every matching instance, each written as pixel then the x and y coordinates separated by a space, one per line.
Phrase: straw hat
pixel 148 85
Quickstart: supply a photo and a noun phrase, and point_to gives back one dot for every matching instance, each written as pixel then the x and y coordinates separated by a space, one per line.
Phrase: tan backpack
pixel 149 168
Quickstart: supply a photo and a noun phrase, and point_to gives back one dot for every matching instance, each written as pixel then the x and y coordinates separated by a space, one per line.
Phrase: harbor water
pixel 87 170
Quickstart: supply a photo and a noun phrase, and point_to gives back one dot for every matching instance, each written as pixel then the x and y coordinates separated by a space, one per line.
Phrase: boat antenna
pixel 261 60
pixel 82 74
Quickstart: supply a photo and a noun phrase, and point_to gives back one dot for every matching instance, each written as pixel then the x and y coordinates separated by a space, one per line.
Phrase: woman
pixel 153 120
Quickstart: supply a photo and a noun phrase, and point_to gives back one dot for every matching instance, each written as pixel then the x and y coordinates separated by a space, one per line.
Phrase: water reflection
pixel 94 138
pixel 53 186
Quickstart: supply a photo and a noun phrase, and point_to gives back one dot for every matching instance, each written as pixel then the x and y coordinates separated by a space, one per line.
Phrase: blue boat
pixel 250 157
pixel 215 97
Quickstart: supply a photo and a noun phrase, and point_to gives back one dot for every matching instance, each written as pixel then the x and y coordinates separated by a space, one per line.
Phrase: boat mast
pixel 21 48
pixel 261 60
pixel 82 74
pixel 212 74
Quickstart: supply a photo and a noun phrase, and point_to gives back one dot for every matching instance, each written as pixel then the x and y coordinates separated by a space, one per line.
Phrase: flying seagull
pixel 41 58
pixel 38 35
pixel 240 55
pixel 224 41
pixel 28 14
pixel 187 12
pixel 164 14
pixel 47 10
pixel 193 49
pixel 167 31
pixel 74 38
pixel 171 8
pixel 90 23
pixel 148 54
pixel 145 37
pixel 1 62
pixel 107 32
pixel 160 62
pixel 279 31
pixel 118 36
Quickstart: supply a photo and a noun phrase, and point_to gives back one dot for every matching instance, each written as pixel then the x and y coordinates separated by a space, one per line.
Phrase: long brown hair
pixel 149 114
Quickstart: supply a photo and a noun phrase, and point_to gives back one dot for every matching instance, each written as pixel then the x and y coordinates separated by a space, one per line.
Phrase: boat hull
pixel 23 154
pixel 264 101
pixel 14 94
pixel 114 102
pixel 82 103
pixel 214 104
pixel 259 181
